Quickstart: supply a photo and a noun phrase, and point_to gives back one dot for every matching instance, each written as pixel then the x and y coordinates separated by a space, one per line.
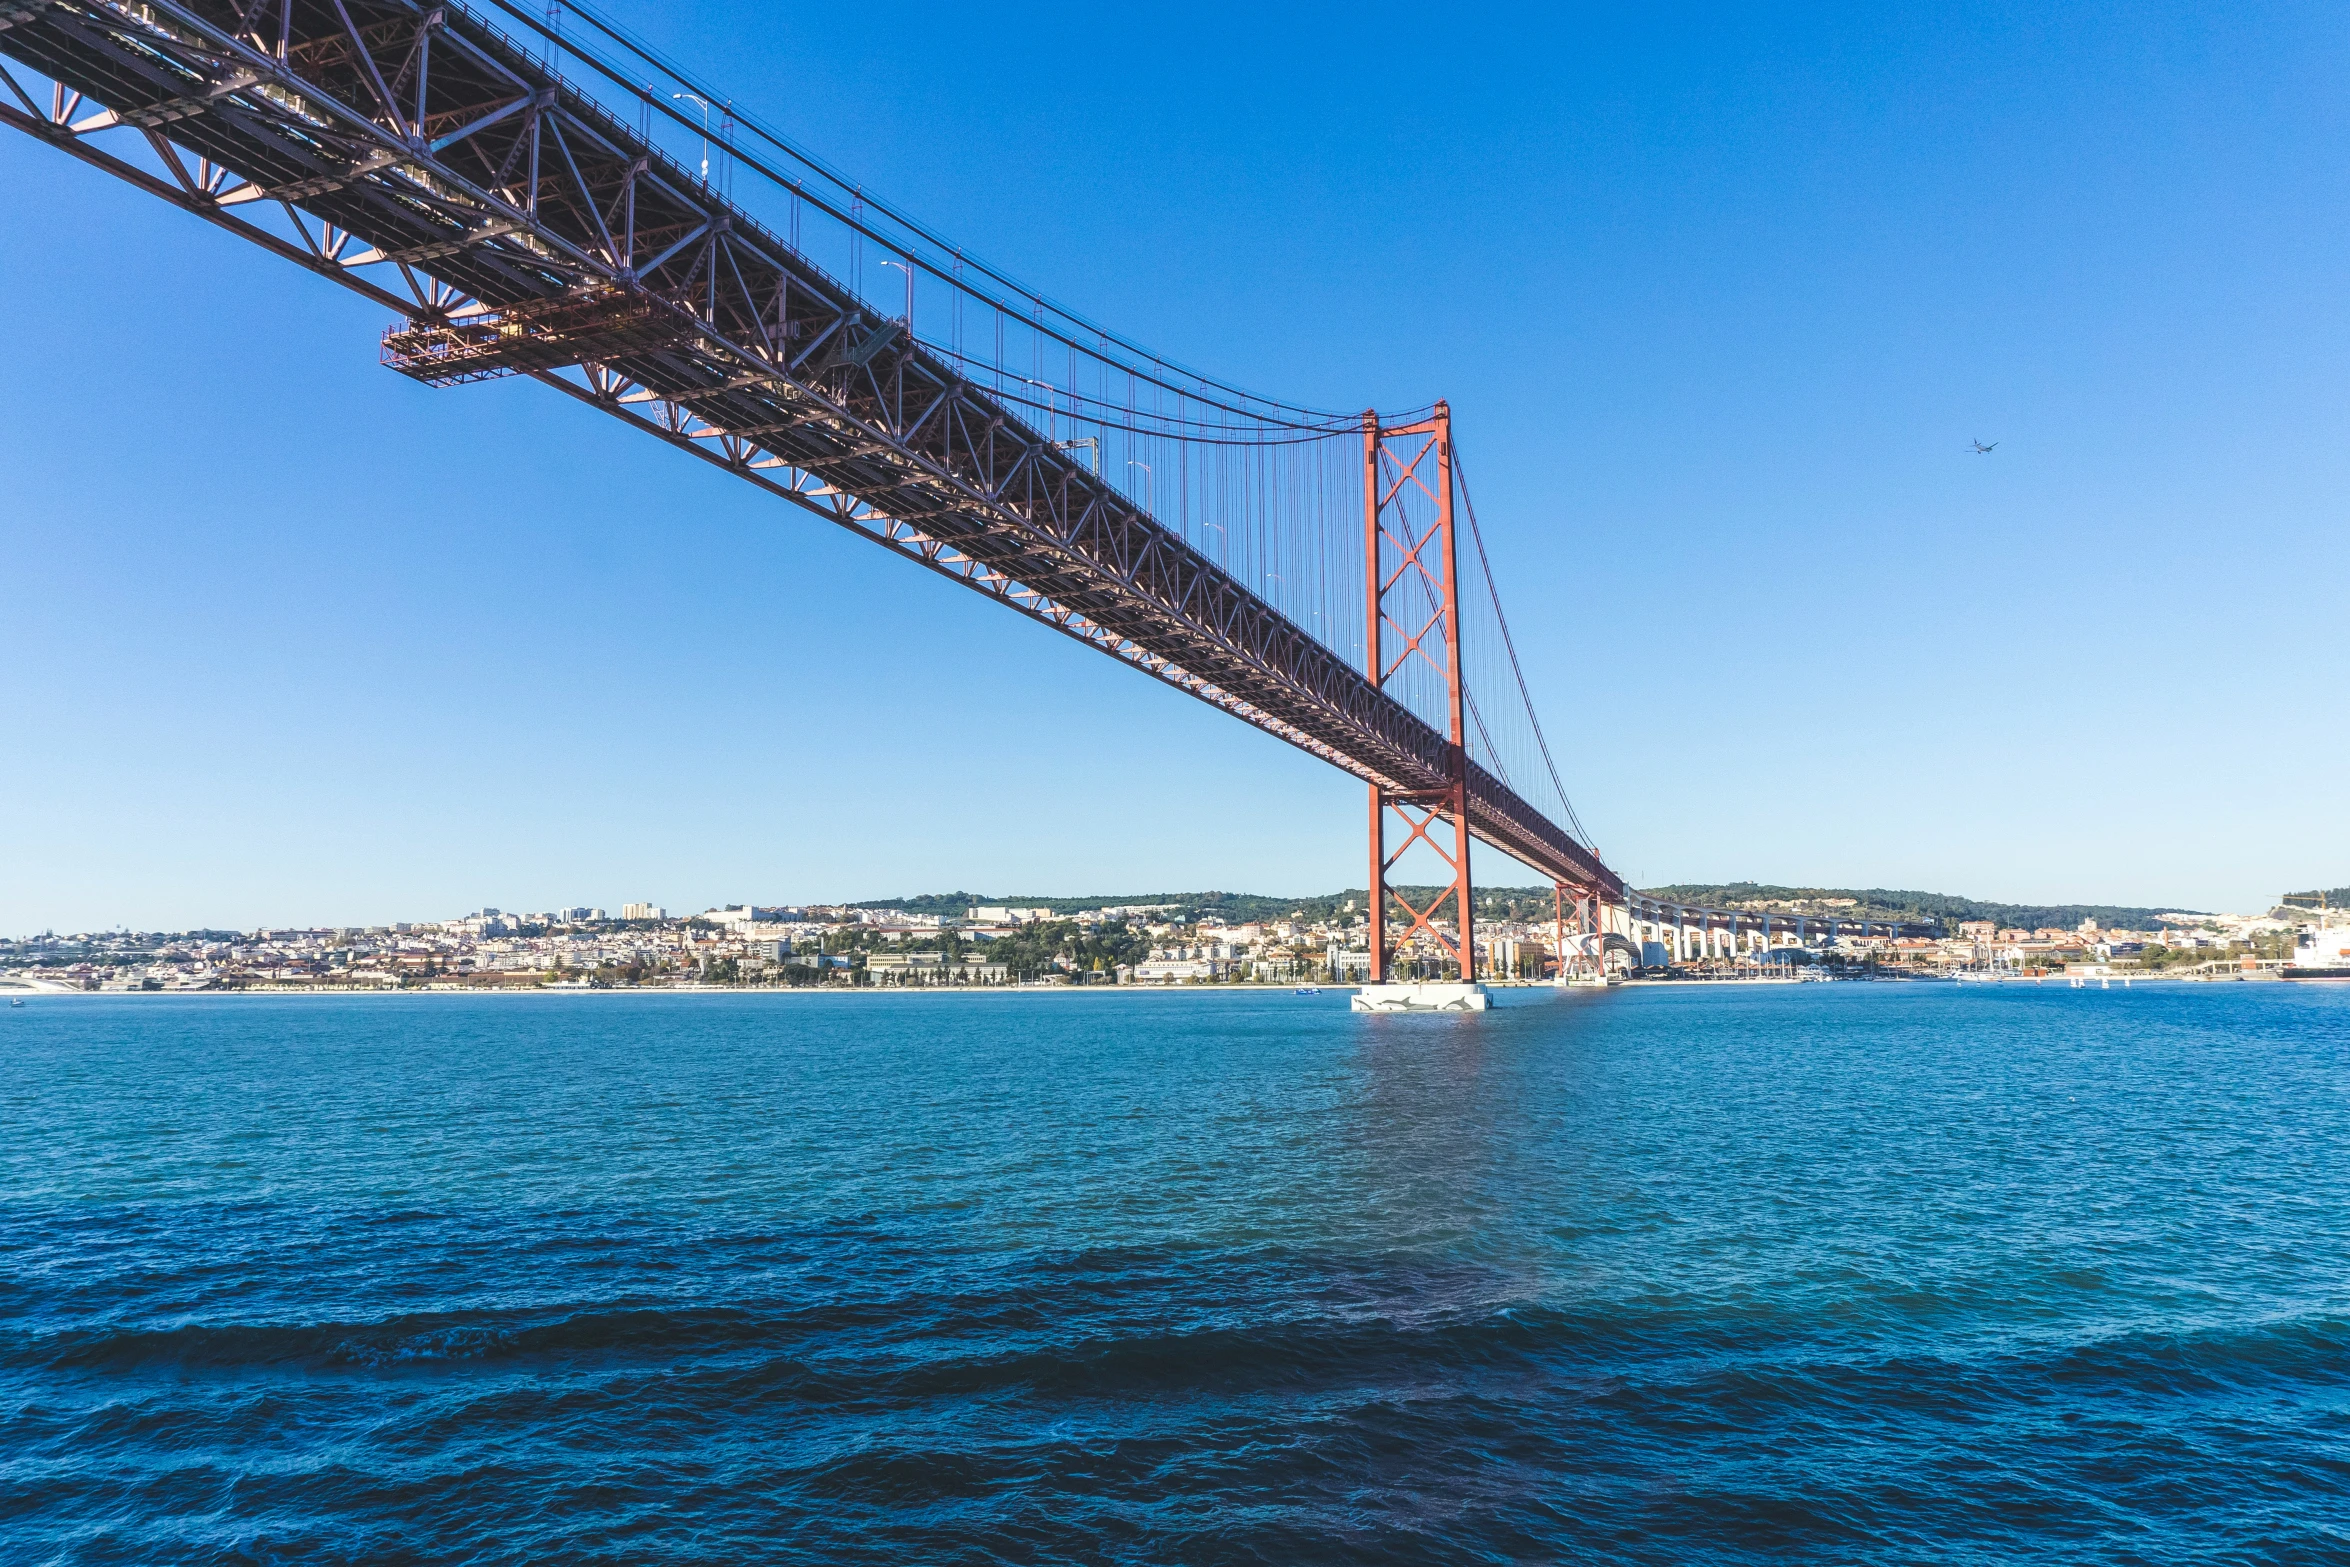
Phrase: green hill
pixel 1887 903
pixel 1534 903
pixel 1182 907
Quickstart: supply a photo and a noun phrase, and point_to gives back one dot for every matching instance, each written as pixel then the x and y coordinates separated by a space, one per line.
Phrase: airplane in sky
pixel 1983 451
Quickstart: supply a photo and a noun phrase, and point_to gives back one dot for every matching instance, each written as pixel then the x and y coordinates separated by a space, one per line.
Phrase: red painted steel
pixel 1397 572
pixel 1558 929
pixel 520 226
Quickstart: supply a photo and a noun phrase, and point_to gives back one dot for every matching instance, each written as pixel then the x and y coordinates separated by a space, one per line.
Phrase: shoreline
pixel 701 990
pixel 13 991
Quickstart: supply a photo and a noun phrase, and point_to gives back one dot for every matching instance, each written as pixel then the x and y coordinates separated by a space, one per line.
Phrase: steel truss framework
pixel 414 153
pixel 1411 577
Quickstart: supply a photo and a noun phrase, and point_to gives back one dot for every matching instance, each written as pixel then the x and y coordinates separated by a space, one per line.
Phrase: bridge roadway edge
pixel 1309 698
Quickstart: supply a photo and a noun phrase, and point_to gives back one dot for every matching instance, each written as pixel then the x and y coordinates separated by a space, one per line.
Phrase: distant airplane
pixel 1983 451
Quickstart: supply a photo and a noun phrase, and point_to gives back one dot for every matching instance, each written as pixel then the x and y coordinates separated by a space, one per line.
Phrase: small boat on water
pixel 1307 990
pixel 16 1001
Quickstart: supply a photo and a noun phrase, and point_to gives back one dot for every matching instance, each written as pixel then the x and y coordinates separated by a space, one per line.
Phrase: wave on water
pixel 1882 1275
pixel 1081 1406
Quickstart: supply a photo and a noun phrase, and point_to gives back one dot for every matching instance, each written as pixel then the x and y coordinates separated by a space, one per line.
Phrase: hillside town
pixel 1155 945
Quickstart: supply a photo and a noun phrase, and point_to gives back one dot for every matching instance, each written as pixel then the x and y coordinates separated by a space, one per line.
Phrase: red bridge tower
pixel 1412 622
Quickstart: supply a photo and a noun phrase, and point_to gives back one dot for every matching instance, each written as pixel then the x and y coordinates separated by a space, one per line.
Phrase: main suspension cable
pixel 1254 406
pixel 1485 566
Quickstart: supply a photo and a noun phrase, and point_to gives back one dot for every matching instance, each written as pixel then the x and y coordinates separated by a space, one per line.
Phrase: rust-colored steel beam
pixel 413 152
pixel 1419 600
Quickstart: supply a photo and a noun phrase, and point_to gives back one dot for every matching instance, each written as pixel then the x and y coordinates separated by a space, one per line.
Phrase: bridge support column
pixel 1412 587
pixel 1558 929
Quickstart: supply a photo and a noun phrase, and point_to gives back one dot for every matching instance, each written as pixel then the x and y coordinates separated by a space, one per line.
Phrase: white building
pixel 1166 971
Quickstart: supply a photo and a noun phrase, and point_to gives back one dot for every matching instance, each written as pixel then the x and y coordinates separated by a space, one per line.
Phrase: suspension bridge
pixel 535 192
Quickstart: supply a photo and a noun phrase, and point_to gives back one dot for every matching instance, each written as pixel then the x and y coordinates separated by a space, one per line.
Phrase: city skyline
pixel 1819 903
pixel 1198 939
pixel 1844 648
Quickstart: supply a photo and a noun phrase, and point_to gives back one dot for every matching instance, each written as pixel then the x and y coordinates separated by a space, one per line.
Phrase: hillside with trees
pixel 1534 903
pixel 1233 908
pixel 1886 903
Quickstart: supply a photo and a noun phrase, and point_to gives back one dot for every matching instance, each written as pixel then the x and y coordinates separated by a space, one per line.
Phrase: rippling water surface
pixel 1896 1273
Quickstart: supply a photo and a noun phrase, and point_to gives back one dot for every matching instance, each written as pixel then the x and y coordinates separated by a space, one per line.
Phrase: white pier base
pixel 1421 998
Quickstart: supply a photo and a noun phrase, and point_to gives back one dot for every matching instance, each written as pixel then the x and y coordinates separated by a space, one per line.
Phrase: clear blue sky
pixel 1719 295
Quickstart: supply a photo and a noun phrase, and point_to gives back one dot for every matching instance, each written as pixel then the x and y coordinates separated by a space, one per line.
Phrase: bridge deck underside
pixel 418 141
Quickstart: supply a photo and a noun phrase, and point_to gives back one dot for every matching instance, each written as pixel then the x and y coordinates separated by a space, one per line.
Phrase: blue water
pixel 1865 1273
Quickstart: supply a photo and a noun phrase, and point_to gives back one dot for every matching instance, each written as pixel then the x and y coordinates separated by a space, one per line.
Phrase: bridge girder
pixel 413 152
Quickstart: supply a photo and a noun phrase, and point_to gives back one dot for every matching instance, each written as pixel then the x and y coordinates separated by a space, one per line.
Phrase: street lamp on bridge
pixel 909 271
pixel 705 103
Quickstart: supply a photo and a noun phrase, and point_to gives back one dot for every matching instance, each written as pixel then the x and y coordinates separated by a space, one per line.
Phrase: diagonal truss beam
pixel 415 154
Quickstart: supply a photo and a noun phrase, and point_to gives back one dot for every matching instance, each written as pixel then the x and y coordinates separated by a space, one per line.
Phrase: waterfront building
pixel 1166 971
